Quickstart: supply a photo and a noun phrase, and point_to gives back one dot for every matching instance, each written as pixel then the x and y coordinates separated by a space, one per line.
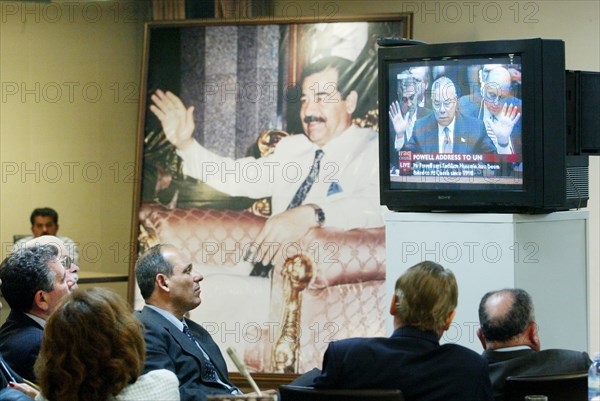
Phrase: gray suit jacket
pixel 532 363
pixel 168 348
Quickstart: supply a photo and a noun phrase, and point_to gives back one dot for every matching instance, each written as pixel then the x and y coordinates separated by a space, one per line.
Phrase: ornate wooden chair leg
pixel 297 272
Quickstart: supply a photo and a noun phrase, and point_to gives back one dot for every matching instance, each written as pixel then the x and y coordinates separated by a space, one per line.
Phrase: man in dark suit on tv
pixel 171 288
pixel 405 112
pixel 412 359
pixel 446 130
pixel 499 110
pixel 509 335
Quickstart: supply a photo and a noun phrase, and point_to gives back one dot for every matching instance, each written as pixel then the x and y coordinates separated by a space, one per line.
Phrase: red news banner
pixel 452 164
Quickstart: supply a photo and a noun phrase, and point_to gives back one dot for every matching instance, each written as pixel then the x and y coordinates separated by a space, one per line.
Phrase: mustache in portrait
pixel 313 119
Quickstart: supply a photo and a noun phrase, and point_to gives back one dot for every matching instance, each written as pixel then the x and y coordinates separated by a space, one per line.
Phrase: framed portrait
pixel 254 109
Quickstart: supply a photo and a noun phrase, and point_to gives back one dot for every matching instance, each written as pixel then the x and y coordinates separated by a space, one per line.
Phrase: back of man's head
pixel 45 212
pixel 25 272
pixel 339 64
pixel 151 263
pixel 505 314
pixel 426 296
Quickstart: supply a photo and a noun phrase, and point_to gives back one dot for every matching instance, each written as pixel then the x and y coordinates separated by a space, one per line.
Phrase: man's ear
pixel 162 281
pixel 40 302
pixel 481 338
pixel 351 102
pixel 393 309
pixel 532 336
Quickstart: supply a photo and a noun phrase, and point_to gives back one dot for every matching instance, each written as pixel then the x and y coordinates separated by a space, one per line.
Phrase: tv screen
pixel 472 110
pixel 476 126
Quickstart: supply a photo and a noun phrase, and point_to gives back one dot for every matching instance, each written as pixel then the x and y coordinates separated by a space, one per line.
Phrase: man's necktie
pixel 264 270
pixel 6 371
pixel 209 373
pixel 447 143
pixel 308 182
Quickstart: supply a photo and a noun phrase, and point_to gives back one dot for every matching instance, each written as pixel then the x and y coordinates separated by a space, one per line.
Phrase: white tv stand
pixel 543 254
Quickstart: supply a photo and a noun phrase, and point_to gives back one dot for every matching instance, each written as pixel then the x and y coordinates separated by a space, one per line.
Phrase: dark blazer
pixel 469 136
pixel 473 107
pixel 20 341
pixel 394 157
pixel 168 348
pixel 532 363
pixel 411 360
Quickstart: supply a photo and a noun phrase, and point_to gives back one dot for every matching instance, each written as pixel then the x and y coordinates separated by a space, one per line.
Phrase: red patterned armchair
pixel 331 286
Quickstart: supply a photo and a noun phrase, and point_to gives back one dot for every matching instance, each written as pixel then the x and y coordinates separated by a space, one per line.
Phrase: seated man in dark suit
pixel 12 387
pixel 412 359
pixel 509 335
pixel 171 288
pixel 33 283
pixel 446 130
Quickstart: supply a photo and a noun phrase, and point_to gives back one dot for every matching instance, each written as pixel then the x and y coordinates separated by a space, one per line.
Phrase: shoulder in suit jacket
pixel 20 341
pixel 469 136
pixel 473 107
pixel 532 363
pixel 168 348
pixel 411 360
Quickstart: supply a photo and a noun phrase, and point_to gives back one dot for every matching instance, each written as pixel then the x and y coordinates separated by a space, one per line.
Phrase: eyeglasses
pixel 406 99
pixel 493 97
pixel 66 262
pixel 446 103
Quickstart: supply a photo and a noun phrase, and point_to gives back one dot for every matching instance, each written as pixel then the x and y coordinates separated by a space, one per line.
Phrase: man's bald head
pixel 63 256
pixel 505 314
pixel 48 240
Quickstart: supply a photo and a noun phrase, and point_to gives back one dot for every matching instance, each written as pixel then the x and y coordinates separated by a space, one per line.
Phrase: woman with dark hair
pixel 93 350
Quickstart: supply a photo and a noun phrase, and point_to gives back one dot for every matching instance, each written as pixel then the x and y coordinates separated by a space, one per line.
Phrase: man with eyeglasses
pixel 63 256
pixel 496 106
pixel 33 283
pixel 405 111
pixel 446 130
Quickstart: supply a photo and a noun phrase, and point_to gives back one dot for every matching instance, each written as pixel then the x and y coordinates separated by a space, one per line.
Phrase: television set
pixel 507 145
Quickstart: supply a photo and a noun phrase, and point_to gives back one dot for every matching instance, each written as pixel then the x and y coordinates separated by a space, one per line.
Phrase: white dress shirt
pixel 347 188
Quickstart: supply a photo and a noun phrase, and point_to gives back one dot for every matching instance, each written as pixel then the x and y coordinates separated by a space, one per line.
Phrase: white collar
pixel 168 315
pixel 513 348
pixel 37 319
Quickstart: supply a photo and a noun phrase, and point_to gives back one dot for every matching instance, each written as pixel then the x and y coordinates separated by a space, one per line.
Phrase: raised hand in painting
pixel 177 121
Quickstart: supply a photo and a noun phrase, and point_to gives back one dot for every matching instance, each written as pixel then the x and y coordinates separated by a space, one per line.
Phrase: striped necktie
pixel 209 373
pixel 447 148
pixel 313 174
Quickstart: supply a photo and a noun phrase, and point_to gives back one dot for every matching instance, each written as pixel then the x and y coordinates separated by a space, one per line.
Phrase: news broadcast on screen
pixel 477 101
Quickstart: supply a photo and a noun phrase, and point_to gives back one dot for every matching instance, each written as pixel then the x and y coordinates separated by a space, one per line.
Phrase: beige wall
pixel 69 88
pixel 74 150
pixel 575 22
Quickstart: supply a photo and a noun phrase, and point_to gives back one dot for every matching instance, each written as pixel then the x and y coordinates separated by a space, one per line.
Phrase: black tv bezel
pixel 543 130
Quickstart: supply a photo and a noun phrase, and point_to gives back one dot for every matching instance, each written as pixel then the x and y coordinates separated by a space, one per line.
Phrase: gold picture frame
pixel 246 71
